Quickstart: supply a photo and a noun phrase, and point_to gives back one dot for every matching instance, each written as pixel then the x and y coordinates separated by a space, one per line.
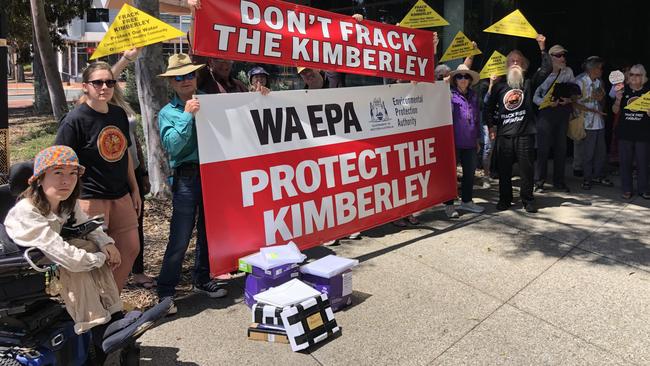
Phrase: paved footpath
pixel 567 286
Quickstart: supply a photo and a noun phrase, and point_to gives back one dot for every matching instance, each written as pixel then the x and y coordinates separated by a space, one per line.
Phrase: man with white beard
pixel 510 114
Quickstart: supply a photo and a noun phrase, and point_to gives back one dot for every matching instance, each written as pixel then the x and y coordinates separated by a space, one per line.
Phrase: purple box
pixel 275 272
pixel 256 284
pixel 338 288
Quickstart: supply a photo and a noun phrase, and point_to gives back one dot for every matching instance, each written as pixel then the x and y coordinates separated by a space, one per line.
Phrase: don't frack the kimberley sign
pixel 276 32
pixel 312 166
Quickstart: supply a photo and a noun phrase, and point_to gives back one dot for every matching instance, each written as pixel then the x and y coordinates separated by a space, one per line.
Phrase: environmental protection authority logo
pixel 378 111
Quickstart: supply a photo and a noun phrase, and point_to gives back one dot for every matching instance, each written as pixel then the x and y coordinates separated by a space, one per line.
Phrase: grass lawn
pixel 30 134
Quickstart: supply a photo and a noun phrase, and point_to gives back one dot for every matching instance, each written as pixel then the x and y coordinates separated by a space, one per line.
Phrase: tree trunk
pixel 42 104
pixel 48 59
pixel 152 94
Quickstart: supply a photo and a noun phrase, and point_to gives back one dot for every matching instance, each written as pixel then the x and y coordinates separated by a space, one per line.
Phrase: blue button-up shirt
pixel 178 133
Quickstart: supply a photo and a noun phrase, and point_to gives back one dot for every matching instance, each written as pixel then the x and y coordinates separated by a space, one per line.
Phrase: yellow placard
pixel 495 66
pixel 460 47
pixel 422 15
pixel 640 104
pixel 513 24
pixel 546 102
pixel 134 28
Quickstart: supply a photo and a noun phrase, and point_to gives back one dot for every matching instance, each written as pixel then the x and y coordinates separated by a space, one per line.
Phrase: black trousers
pixel 511 149
pixel 138 265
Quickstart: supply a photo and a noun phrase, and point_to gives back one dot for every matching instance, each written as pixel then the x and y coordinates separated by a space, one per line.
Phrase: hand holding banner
pixel 495 66
pixel 134 28
pixel 276 32
pixel 513 24
pixel 460 47
pixel 422 15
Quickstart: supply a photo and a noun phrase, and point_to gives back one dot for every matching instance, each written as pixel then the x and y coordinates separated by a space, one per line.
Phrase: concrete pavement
pixel 567 286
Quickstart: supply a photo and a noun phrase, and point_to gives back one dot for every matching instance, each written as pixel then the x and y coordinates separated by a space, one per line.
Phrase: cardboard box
pixel 310 322
pixel 256 284
pixel 256 332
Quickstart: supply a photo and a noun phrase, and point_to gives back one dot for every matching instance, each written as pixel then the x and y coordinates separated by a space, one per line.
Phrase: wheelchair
pixel 35 329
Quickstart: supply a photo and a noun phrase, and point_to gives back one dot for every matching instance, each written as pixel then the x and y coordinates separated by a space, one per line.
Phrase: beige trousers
pixel 90 297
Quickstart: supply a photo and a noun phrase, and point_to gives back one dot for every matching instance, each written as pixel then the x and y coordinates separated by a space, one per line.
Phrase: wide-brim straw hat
pixel 181 64
pixel 463 69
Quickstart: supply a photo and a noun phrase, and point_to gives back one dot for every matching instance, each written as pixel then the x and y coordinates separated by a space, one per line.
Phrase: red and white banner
pixel 312 166
pixel 276 32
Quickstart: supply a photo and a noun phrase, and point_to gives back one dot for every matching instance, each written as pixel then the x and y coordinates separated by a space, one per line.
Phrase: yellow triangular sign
pixel 134 28
pixel 513 24
pixel 546 102
pixel 422 15
pixel 640 104
pixel 460 47
pixel 495 66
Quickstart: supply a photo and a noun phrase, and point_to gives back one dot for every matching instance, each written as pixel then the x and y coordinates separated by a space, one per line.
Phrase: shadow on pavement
pixel 159 356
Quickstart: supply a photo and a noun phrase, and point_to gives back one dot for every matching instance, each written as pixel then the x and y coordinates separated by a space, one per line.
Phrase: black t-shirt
pixel 100 141
pixel 633 125
pixel 511 110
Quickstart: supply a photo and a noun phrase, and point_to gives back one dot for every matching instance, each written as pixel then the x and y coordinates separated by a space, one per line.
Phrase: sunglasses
pixel 189 76
pixel 99 83
pixel 462 76
pixel 559 55
pixel 631 74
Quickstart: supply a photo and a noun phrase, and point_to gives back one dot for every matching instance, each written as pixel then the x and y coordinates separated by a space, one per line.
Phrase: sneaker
pixel 502 206
pixel 354 236
pixel 332 243
pixel 471 207
pixel 451 212
pixel 172 308
pixel 539 187
pixel 400 223
pixel 603 182
pixel 211 289
pixel 530 207
pixel 586 185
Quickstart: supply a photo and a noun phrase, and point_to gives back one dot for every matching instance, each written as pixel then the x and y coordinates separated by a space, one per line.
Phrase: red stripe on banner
pixel 241 220
pixel 281 33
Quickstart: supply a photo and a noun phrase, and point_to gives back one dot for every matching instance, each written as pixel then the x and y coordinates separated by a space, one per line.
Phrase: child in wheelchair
pixel 83 276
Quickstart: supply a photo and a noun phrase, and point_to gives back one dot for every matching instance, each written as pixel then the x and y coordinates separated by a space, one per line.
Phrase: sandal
pixel 147 284
pixel 626 195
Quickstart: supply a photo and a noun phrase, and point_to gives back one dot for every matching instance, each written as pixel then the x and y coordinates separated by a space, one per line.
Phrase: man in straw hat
pixel 510 113
pixel 178 136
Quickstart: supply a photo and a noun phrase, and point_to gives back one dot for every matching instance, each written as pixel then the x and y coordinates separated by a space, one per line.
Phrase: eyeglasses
pixel 462 76
pixel 189 76
pixel 639 75
pixel 559 55
pixel 99 83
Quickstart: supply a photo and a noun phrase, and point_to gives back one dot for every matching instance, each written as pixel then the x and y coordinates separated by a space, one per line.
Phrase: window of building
pixel 97 15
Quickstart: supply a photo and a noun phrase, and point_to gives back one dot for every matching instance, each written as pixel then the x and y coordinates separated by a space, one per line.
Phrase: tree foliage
pixel 59 14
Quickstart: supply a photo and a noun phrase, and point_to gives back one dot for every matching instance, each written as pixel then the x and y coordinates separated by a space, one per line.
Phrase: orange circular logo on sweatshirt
pixel 111 144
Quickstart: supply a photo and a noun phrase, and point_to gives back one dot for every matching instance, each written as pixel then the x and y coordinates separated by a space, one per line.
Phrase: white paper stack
pixel 290 293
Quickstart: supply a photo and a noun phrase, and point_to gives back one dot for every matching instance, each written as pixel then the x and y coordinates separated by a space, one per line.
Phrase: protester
pixel 258 78
pixel 488 142
pixel 83 265
pixel 465 115
pixel 594 149
pixel 553 122
pixel 514 125
pixel 99 133
pixel 178 136
pixel 633 133
pixel 217 78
